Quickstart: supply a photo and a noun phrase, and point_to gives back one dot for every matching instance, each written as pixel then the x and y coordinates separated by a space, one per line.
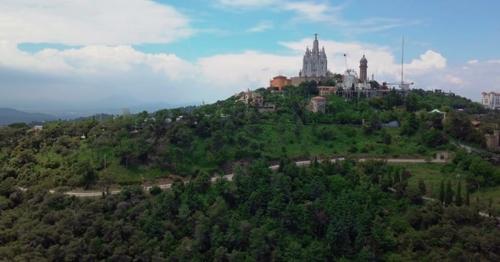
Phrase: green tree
pixel 433 138
pixel 106 179
pixel 87 173
pixel 467 197
pixel 458 125
pixel 458 196
pixel 441 192
pixel 386 137
pixel 421 187
pixel 410 125
pixel 411 103
pixel 448 196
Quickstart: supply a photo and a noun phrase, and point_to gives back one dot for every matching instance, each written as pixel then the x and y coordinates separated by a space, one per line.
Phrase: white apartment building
pixel 491 100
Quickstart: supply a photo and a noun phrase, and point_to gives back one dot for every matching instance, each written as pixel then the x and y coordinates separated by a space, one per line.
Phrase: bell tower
pixel 363 69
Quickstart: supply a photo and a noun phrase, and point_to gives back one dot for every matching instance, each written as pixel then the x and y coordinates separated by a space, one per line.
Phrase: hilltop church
pixel 315 68
pixel 315 62
pixel 314 65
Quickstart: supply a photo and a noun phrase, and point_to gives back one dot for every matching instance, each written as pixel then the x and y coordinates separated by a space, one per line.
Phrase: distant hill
pixel 9 116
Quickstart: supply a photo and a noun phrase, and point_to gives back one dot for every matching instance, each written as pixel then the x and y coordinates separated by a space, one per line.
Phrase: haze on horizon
pixel 64 55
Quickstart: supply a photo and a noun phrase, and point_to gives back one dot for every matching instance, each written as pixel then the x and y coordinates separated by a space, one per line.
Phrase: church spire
pixel 316 44
pixel 315 61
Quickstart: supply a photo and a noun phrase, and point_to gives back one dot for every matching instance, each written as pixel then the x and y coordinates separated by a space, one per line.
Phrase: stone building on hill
pixel 251 98
pixel 255 99
pixel 317 104
pixel 314 63
pixel 327 90
pixel 493 141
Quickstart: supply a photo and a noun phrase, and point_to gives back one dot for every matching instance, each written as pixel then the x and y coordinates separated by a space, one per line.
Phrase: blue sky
pixel 461 29
pixel 68 55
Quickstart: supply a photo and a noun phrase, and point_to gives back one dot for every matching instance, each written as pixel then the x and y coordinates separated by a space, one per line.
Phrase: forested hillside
pixel 211 138
pixel 348 210
pixel 325 212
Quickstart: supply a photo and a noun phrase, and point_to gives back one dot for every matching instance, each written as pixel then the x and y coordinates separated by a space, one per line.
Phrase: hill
pixel 346 210
pixel 9 116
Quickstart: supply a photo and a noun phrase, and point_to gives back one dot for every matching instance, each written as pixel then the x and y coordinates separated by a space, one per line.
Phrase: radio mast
pixel 402 60
pixel 402 84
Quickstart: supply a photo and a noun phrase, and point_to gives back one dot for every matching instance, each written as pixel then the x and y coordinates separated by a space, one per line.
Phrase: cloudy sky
pixel 63 55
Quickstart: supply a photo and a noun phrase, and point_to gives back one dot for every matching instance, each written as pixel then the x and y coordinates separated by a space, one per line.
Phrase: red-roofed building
pixel 279 82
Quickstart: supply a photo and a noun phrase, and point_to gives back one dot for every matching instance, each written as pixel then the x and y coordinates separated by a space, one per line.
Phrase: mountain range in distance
pixel 9 116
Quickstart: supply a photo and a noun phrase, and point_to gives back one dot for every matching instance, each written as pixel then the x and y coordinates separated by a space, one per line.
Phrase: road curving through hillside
pixel 229 177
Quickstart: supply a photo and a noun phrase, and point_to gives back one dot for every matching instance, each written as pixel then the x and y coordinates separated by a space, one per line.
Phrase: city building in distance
pixel 491 100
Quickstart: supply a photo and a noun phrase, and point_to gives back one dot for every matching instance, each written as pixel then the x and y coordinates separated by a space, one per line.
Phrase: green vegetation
pixel 325 212
pixel 435 175
pixel 343 211
pixel 212 138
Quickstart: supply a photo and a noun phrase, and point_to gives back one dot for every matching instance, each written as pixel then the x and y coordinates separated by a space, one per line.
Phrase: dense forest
pixel 342 211
pixel 348 210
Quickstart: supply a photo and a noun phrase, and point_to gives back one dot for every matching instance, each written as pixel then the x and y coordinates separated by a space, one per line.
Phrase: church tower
pixel 363 70
pixel 315 62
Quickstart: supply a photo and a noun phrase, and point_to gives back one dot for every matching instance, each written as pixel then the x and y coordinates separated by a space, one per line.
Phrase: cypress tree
pixel 441 192
pixel 448 196
pixel 421 187
pixel 490 206
pixel 467 198
pixel 458 197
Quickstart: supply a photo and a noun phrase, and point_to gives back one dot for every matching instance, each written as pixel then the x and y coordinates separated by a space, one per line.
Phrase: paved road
pixel 229 177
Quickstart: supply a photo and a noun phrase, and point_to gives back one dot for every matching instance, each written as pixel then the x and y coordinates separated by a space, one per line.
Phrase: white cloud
pixel 429 60
pixel 121 75
pixel 381 62
pixel 74 22
pixel 247 3
pixel 473 62
pixel 90 60
pixel 467 81
pixel 249 69
pixel 261 27
pixel 310 11
pixel 453 79
pixel 315 12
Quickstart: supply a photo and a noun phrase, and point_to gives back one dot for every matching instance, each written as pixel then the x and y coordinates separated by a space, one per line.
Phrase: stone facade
pixel 279 82
pixel 443 155
pixel 315 62
pixel 251 98
pixel 327 90
pixel 297 80
pixel 493 141
pixel 318 104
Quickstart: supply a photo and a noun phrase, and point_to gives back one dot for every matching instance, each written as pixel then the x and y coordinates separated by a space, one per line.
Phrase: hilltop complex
pixel 315 68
